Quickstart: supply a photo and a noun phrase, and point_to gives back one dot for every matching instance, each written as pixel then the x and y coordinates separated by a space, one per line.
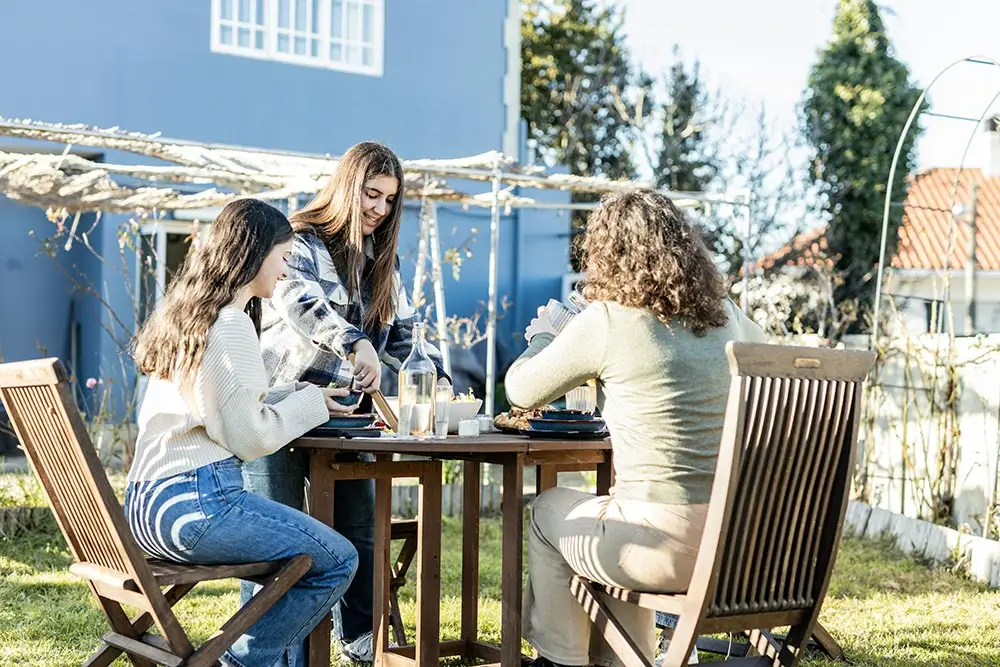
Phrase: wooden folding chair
pixel 776 510
pixel 405 531
pixel 48 424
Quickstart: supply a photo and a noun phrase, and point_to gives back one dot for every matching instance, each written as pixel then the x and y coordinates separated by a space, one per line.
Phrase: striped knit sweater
pixel 231 411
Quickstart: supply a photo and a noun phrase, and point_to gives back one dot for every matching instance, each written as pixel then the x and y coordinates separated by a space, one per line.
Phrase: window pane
pixel 336 20
pixel 314 25
pixel 227 9
pixel 353 22
pixel 367 56
pixel 368 25
pixel 284 43
pixel 336 53
pixel 260 13
pixel 244 37
pixel 283 9
pixel 314 49
pixel 226 34
pixel 259 40
pixel 353 55
pixel 300 15
pixel 244 11
pixel 300 46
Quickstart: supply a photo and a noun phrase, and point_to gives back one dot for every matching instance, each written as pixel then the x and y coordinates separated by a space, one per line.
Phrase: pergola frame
pixel 76 184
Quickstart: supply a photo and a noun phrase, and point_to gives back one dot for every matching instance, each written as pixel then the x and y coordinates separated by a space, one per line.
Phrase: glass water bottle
pixel 417 382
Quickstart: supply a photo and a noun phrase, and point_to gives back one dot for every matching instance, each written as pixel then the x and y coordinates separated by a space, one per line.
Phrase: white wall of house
pixel 916 292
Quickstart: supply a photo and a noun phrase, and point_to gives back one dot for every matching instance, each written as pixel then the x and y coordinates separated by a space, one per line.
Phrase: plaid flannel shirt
pixel 310 323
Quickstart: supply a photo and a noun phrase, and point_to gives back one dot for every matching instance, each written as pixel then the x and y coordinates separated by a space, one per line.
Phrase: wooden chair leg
pixel 277 585
pixel 619 641
pixel 396 619
pixel 402 565
pixel 140 624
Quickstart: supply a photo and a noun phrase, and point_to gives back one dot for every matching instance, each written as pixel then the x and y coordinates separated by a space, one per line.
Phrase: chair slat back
pixel 790 441
pixel 45 417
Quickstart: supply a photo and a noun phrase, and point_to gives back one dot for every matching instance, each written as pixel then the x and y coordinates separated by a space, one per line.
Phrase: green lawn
pixel 885 609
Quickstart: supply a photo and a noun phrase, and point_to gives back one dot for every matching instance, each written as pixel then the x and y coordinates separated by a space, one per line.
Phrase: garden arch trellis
pixel 219 173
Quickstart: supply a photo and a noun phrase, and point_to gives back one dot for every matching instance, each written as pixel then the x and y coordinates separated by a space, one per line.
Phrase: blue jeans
pixel 205 516
pixel 281 477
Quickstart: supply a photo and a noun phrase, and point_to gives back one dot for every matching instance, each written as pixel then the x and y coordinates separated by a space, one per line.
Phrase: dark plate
pixel 350 421
pixel 509 430
pixel 567 415
pixel 565 435
pixel 366 432
pixel 567 425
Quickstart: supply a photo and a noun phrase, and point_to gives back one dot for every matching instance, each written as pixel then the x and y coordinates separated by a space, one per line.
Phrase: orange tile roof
pixel 927 218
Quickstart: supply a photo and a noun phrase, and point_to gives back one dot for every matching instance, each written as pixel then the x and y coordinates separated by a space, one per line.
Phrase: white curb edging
pixel 921 538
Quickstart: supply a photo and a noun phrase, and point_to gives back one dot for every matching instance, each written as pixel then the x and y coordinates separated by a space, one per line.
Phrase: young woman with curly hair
pixel 654 338
pixel 207 409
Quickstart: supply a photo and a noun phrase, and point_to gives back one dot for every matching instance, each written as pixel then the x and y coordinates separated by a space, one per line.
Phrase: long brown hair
pixel 640 251
pixel 335 216
pixel 172 343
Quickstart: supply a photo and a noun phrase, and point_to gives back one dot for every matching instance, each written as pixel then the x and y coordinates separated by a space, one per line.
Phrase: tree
pixel 580 93
pixel 856 104
pixel 687 159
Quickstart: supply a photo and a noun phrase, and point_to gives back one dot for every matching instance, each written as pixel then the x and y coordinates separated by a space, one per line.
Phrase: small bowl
pixel 351 399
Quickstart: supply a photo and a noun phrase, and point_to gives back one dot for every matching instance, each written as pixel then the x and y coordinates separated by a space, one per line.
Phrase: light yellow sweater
pixel 661 389
pixel 230 412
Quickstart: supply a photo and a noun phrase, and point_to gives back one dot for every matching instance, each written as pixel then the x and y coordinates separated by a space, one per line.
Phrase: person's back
pixel 663 393
pixel 654 339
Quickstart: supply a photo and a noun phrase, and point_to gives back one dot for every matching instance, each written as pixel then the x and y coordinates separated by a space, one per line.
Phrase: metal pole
pixel 491 323
pixel 418 274
pixel 970 265
pixel 979 60
pixel 437 280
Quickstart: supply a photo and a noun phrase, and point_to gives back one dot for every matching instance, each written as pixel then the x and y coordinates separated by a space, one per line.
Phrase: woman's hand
pixel 367 367
pixel 332 406
pixel 540 324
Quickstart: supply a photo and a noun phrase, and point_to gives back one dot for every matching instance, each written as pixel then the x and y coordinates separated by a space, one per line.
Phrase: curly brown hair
pixel 640 251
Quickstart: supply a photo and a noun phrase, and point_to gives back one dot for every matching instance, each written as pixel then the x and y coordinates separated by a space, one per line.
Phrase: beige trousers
pixel 638 545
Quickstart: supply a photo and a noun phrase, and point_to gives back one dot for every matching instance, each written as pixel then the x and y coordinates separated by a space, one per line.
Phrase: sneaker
pixel 361 649
pixel 661 652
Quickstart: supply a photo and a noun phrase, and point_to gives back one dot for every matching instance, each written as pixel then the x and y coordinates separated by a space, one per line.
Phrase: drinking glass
pixel 442 407
pixel 582 399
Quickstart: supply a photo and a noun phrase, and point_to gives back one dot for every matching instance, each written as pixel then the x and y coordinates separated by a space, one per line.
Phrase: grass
pixel 885 608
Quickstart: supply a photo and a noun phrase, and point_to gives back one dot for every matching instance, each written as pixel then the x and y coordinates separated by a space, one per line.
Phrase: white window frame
pixel 157 232
pixel 322 37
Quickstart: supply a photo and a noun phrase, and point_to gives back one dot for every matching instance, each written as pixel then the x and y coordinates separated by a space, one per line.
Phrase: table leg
pixel 605 475
pixel 429 568
pixel 546 477
pixel 513 536
pixel 472 479
pixel 382 569
pixel 321 480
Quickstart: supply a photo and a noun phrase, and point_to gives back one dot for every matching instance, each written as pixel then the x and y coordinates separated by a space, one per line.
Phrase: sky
pixel 760 51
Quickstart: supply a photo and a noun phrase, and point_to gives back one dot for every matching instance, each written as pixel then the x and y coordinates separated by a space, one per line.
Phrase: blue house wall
pixel 148 67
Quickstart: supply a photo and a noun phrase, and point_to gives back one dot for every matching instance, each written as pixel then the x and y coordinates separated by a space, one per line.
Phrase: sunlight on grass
pixel 884 608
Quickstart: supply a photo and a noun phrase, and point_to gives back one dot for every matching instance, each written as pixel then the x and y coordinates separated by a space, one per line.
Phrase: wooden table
pixel 513 453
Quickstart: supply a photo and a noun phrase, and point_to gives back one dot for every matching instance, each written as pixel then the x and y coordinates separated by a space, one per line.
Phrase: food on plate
pixel 518 418
pixel 467 397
